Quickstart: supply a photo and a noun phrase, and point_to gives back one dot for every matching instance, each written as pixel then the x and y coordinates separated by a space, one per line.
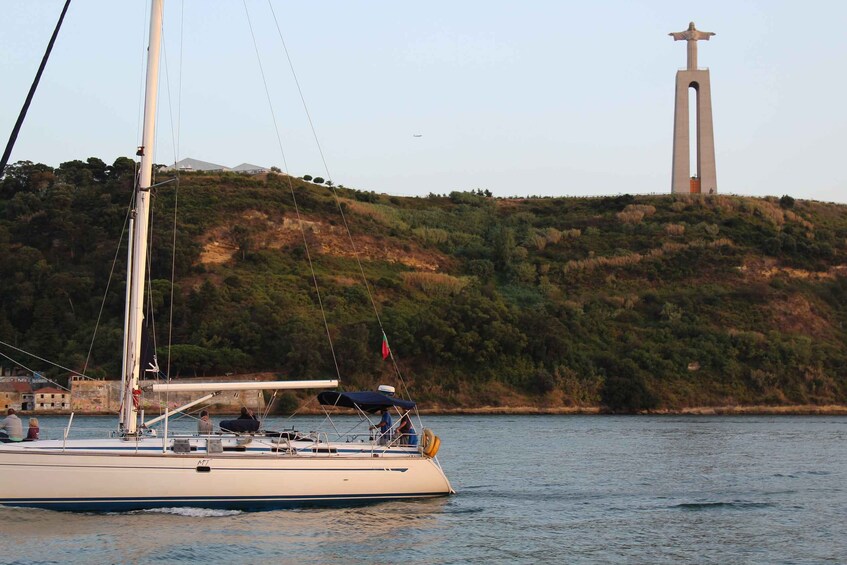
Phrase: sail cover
pixel 367 401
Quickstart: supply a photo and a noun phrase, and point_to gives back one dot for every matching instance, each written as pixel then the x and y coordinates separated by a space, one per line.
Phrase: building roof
pixel 189 164
pixel 19 387
pixel 50 390
pixel 249 168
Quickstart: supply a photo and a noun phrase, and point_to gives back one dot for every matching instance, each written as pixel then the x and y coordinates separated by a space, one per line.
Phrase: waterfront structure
pixel 17 389
pixel 705 178
pixel 12 395
pixel 52 399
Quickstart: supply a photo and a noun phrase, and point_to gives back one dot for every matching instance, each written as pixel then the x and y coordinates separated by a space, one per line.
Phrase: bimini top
pixel 367 401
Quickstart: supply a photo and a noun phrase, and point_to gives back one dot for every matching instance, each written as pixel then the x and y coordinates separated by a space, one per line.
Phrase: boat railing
pixel 404 440
pixel 64 433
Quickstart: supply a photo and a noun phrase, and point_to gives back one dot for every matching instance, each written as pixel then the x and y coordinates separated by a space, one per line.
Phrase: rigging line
pixel 175 147
pixel 25 352
pixel 269 405
pixel 152 326
pixel 150 230
pixel 33 372
pixel 293 197
pixel 176 194
pixel 145 20
pixel 109 280
pixel 17 128
pixel 299 90
pixel 179 81
pixel 173 280
pixel 335 195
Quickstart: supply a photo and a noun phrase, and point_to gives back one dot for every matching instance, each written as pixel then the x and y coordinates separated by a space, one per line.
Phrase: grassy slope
pixel 629 302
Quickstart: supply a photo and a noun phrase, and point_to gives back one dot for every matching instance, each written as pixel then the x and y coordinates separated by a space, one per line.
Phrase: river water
pixel 531 489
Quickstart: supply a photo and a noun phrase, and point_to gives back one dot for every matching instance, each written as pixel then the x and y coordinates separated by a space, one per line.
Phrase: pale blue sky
pixel 522 98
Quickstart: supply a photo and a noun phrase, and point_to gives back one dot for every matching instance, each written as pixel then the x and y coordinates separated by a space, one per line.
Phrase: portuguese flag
pixel 385 351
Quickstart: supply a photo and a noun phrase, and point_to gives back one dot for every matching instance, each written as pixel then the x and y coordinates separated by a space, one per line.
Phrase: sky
pixel 548 98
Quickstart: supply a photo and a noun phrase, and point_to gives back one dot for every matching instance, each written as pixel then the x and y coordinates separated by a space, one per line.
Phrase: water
pixel 531 489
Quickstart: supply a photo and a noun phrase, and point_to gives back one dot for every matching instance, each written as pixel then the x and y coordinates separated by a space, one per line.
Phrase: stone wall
pixel 103 397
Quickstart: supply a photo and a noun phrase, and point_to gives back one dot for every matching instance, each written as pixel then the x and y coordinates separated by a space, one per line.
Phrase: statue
pixel 692 35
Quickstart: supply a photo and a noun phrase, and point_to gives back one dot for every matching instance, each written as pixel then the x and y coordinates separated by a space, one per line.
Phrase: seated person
pixel 204 424
pixel 32 432
pixel 13 429
pixel 246 422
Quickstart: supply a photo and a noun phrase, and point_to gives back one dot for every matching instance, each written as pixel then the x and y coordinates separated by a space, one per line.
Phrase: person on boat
pixel 32 432
pixel 13 429
pixel 406 431
pixel 204 424
pixel 246 422
pixel 384 427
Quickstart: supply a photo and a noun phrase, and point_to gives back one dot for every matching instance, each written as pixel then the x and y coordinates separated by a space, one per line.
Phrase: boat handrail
pixel 67 431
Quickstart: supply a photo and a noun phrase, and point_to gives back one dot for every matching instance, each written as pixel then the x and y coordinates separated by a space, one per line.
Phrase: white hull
pixel 106 475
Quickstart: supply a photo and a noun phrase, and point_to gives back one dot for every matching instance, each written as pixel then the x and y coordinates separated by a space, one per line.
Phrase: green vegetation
pixel 632 303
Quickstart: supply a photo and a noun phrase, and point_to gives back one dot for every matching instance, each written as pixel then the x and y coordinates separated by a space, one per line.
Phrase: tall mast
pixel 138 244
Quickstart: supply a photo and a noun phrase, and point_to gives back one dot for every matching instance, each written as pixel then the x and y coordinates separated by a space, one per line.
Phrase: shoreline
pixel 751 410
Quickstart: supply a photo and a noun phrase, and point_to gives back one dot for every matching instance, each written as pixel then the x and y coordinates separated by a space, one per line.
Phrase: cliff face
pixel 626 303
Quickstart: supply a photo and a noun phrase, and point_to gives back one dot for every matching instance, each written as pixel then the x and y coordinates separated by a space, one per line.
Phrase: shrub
pixel 435 284
pixel 431 235
pixel 539 241
pixel 483 269
pixel 631 217
pixel 675 229
pixel 553 235
pixel 634 213
pixel 628 393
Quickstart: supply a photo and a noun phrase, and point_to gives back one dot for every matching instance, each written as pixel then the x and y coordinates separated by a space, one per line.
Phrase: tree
pixel 276 169
pixel 307 177
pixel 318 180
pixel 242 236
pixel 625 388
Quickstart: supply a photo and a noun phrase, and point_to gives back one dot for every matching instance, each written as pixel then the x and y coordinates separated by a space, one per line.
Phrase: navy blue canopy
pixel 368 401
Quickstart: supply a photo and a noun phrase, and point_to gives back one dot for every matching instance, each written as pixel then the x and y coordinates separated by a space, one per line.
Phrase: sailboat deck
pixel 214 445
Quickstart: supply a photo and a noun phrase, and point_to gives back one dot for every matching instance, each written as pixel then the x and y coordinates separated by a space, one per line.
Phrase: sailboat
pixel 140 468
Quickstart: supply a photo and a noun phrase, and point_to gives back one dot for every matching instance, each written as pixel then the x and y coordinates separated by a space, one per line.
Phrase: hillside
pixel 628 303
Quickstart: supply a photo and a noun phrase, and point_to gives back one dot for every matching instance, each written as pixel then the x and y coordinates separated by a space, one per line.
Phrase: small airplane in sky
pixel 417 135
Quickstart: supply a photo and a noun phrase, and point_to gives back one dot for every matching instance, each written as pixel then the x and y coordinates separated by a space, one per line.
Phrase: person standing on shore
pixel 13 429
